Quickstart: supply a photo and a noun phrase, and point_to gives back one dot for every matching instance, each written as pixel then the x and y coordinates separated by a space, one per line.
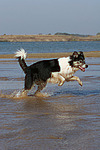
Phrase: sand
pixel 31 38
pixel 52 55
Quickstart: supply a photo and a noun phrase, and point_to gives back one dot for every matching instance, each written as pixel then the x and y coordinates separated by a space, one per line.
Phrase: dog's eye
pixel 77 62
pixel 80 61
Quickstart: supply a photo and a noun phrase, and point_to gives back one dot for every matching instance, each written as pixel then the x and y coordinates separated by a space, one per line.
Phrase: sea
pixel 68 119
pixel 49 47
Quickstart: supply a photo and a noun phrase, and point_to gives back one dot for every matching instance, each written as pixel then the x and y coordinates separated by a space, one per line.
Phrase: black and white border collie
pixel 56 70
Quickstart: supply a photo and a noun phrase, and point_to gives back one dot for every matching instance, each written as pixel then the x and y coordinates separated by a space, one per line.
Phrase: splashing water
pixel 14 95
pixel 23 94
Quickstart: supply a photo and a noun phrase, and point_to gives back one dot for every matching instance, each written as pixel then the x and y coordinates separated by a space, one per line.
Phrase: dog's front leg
pixel 75 78
pixel 61 80
pixel 57 78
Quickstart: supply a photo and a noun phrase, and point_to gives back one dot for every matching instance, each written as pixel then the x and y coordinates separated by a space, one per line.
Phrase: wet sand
pixel 68 119
pixel 52 55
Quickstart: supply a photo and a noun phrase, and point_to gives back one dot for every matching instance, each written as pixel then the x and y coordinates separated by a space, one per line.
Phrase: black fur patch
pixel 40 71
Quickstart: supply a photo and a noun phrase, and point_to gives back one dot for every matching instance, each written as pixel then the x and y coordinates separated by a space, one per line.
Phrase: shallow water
pixel 51 47
pixel 68 119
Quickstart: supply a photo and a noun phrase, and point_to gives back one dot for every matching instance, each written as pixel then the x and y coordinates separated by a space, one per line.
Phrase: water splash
pixel 23 94
pixel 15 95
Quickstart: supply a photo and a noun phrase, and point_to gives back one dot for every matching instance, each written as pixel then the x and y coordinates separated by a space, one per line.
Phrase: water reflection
pixel 68 118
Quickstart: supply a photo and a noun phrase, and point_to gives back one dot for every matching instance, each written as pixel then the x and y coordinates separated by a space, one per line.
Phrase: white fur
pixel 65 68
pixel 65 74
pixel 21 53
pixel 66 71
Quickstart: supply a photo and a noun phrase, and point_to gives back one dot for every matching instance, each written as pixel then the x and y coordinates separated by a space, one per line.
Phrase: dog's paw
pixel 60 83
pixel 80 83
pixel 39 94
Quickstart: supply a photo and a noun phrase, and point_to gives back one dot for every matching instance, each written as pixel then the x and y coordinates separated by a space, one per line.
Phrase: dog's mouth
pixel 82 69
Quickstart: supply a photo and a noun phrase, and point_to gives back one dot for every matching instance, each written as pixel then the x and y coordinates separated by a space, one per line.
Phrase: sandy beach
pixel 52 55
pixel 31 38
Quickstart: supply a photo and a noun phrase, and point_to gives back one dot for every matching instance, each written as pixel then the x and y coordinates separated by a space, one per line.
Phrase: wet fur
pixel 55 71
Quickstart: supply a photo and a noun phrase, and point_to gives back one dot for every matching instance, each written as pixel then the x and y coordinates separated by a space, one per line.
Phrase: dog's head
pixel 78 61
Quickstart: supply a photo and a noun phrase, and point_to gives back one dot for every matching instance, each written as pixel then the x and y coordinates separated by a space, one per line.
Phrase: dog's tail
pixel 21 56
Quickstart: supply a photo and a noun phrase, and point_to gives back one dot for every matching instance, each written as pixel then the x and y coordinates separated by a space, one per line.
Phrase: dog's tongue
pixel 82 69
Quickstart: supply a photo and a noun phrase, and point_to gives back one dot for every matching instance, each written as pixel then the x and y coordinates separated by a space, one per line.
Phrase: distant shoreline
pixel 36 38
pixel 51 55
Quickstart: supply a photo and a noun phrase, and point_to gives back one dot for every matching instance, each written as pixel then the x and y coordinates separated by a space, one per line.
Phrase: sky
pixel 49 16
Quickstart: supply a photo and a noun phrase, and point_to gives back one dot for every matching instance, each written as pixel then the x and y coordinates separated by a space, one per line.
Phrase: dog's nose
pixel 86 66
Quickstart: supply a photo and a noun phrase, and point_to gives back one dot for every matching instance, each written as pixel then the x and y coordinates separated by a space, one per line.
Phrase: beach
pixel 48 38
pixel 52 55
pixel 68 118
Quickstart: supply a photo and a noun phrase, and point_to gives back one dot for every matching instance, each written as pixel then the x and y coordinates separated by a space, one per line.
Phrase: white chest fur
pixel 65 69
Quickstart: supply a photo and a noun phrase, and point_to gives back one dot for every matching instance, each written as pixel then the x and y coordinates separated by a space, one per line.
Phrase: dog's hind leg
pixel 28 83
pixel 38 93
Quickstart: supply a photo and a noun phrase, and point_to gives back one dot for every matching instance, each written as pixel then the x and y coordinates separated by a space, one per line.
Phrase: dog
pixel 55 71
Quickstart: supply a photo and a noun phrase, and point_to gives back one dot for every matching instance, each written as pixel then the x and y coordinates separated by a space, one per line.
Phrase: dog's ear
pixel 75 54
pixel 80 53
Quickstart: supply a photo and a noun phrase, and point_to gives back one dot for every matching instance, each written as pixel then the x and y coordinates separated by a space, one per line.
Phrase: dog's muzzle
pixel 82 68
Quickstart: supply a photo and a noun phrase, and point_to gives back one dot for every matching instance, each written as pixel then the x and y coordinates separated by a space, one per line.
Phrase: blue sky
pixel 49 16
